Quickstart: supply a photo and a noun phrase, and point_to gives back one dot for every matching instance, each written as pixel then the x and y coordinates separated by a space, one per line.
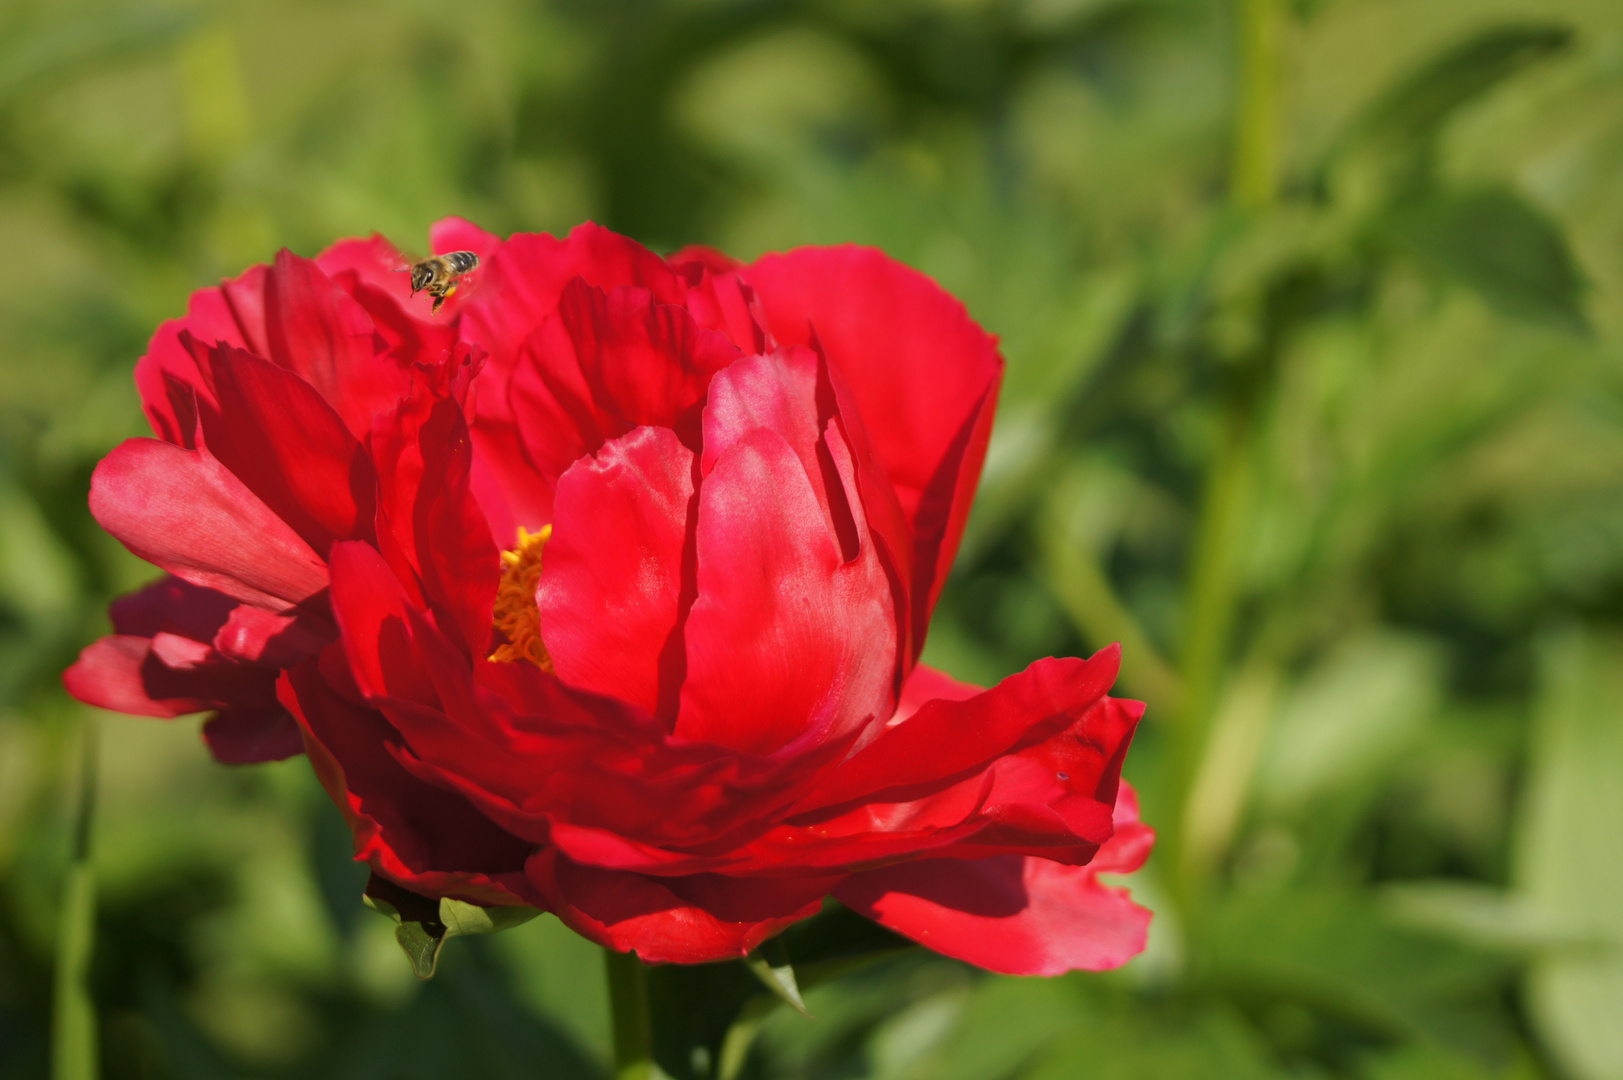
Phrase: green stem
pixel 1211 598
pixel 74 1053
pixel 1212 595
pixel 1086 595
pixel 1255 175
pixel 633 1026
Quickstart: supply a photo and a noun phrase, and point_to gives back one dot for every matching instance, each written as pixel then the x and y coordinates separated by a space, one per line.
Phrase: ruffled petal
pixel 785 640
pixel 110 674
pixel 919 366
pixel 167 376
pixel 430 525
pixel 518 398
pixel 314 329
pixel 185 512
pixel 945 738
pixel 285 442
pixel 373 262
pixel 460 234
pixel 417 835
pixel 612 579
pixel 923 374
pixel 1011 913
pixel 523 279
pixel 927 684
pixel 672 921
pixel 644 362
pixel 248 735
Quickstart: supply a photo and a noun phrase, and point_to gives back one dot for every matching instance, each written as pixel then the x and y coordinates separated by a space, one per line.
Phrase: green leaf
pixel 426 925
pixel 1568 859
pixel 1493 241
pixel 1335 952
pixel 770 963
pixel 1414 107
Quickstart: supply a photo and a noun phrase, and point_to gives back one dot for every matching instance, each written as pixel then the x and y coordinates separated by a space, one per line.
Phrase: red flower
pixel 684 706
pixel 262 399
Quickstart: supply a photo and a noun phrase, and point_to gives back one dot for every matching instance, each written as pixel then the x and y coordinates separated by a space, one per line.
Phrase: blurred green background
pixel 1314 320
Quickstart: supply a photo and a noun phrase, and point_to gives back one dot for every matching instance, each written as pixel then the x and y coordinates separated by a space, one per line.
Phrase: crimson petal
pixel 184 511
pixel 1010 913
pixel 612 574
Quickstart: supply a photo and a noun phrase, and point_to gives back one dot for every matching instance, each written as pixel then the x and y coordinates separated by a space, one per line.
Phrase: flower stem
pixel 1256 118
pixel 73 1019
pixel 628 1005
pixel 1213 591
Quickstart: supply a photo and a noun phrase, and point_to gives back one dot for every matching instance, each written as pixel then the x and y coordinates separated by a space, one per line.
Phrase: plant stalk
pixel 1261 30
pixel 74 1051
pixel 633 1024
pixel 1212 594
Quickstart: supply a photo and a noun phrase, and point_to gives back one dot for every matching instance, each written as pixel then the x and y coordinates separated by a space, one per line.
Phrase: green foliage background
pixel 1314 320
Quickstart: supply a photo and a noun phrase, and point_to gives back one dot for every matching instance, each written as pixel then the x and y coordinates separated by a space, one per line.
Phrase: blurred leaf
pixel 1172 1044
pixel 1361 705
pixel 1005 1023
pixel 1487 916
pixel 54 48
pixel 426 925
pixel 1568 858
pixel 1414 107
pixel 1422 1061
pixel 1493 241
pixel 1334 951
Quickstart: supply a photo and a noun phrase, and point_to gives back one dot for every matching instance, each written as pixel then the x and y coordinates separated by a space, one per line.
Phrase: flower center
pixel 516 615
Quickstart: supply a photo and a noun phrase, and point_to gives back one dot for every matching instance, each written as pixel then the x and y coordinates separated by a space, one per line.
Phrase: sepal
pixel 425 925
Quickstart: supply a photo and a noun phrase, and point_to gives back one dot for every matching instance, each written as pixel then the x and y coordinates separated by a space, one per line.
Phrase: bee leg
pixel 439 298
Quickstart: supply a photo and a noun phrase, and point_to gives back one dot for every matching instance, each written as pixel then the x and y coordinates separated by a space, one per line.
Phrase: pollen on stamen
pixel 515 616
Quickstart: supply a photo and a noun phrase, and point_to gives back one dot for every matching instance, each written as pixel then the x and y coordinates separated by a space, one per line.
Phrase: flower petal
pixel 523 278
pixel 460 234
pixel 430 525
pixel 945 738
pixel 923 374
pixel 785 639
pixel 613 573
pixel 314 329
pixel 672 920
pixel 419 836
pixel 182 510
pixel 927 684
pixel 1011 913
pixel 290 448
pixel 247 735
pixel 644 362
pixel 919 366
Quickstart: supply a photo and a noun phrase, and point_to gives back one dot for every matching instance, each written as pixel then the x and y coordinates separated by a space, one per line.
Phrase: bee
pixel 438 275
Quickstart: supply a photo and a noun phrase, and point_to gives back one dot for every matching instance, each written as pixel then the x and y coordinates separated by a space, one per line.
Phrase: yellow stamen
pixel 516 615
